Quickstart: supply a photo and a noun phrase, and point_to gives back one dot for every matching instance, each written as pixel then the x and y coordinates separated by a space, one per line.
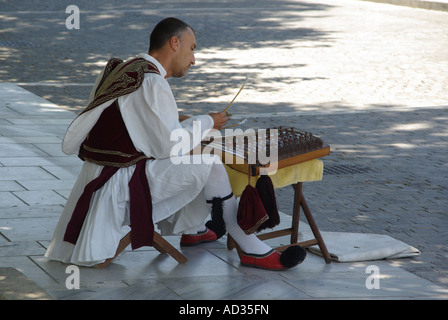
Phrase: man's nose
pixel 193 60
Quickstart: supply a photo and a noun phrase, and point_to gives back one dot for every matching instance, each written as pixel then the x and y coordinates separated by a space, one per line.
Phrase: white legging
pixel 218 185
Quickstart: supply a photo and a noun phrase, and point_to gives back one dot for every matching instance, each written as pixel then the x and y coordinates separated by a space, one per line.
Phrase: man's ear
pixel 174 43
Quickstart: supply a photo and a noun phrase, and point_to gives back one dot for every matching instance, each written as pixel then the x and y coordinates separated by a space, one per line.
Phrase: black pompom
pixel 292 256
pixel 217 224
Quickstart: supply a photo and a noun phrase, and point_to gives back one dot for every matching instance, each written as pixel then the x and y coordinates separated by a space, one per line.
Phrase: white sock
pixel 218 185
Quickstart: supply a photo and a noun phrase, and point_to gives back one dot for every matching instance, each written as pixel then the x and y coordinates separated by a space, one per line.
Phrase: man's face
pixel 185 56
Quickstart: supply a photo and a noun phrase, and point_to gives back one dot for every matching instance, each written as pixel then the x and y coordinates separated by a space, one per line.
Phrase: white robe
pixel 150 115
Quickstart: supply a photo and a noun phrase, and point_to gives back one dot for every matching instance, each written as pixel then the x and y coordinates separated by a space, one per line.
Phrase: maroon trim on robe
pixel 140 207
pixel 142 226
pixel 82 207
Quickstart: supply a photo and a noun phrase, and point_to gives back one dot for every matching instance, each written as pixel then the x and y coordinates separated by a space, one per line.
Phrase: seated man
pixel 128 177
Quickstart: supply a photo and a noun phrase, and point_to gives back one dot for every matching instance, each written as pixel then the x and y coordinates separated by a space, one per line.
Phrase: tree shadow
pixel 224 30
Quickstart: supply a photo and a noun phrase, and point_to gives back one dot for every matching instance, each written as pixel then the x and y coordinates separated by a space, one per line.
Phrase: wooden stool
pixel 299 202
pixel 160 244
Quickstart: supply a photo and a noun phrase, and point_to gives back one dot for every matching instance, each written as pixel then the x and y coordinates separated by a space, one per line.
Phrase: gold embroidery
pixel 116 164
pixel 118 81
pixel 110 152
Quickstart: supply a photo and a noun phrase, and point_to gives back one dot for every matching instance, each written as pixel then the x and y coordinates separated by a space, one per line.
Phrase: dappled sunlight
pixel 97 64
pixel 14 285
pixel 240 48
pixel 403 145
pixel 265 59
pixel 411 126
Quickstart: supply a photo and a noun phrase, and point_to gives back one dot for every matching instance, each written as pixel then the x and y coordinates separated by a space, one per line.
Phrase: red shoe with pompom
pixel 274 260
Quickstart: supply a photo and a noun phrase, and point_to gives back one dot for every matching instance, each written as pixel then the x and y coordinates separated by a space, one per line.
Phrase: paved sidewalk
pixel 36 180
pixel 368 77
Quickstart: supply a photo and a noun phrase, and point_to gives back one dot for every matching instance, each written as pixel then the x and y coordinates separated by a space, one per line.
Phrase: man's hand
pixel 219 118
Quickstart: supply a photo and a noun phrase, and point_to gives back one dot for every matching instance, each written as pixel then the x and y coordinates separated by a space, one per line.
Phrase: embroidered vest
pixel 109 143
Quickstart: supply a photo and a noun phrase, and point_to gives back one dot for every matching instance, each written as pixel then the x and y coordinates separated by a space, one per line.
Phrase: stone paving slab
pixel 16 286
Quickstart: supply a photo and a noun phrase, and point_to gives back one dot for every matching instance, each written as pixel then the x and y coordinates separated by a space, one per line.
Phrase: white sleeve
pixel 151 116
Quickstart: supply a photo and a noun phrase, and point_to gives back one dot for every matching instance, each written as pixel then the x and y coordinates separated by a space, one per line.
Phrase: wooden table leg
pixel 299 202
pixel 296 211
pixel 231 244
pixel 309 217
